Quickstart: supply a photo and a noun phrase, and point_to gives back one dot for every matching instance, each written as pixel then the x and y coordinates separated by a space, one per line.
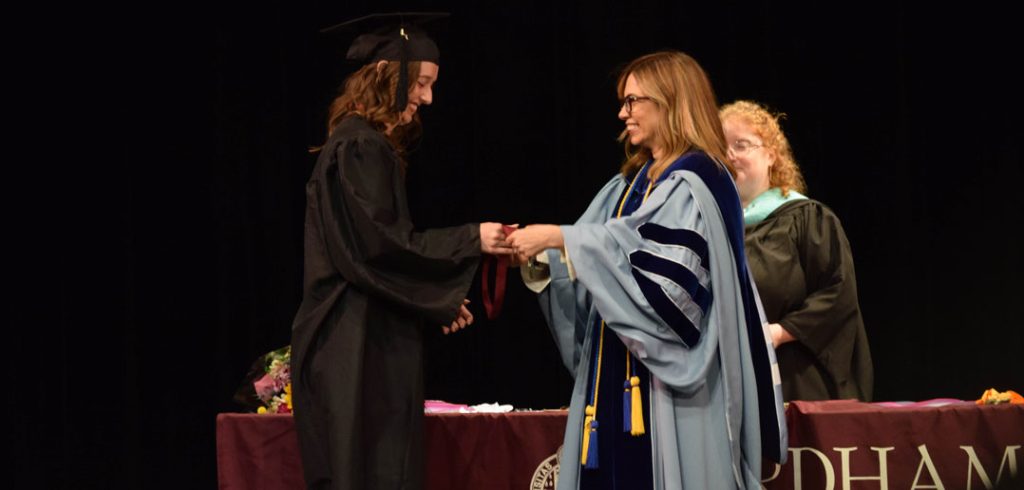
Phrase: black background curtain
pixel 161 233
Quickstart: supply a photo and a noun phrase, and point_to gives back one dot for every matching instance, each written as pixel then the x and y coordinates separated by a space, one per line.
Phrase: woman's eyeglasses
pixel 739 147
pixel 630 100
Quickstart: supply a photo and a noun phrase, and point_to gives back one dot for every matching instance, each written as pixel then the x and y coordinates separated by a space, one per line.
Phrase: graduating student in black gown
pixel 372 283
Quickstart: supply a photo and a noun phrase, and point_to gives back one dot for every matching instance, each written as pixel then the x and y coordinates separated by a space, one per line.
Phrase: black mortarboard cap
pixel 392 37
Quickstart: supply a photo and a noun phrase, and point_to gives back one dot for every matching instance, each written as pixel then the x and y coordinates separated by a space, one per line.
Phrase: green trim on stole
pixel 764 204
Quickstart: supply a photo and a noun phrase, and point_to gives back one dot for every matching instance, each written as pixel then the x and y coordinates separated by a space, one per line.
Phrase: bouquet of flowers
pixel 993 396
pixel 268 386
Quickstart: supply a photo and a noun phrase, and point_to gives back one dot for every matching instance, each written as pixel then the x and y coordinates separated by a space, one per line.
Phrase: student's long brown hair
pixel 370 94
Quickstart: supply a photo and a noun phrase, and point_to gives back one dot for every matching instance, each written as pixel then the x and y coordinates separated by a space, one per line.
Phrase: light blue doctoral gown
pixel 704 410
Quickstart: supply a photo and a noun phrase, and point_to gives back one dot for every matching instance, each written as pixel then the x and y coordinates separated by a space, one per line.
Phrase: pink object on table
pixel 438 406
pixel 934 402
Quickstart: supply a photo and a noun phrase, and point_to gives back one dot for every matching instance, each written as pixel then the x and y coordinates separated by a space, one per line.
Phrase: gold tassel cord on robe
pixel 636 426
pixel 632 403
pixel 588 455
pixel 588 451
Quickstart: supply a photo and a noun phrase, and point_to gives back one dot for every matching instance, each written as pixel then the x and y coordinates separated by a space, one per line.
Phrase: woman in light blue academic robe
pixel 652 307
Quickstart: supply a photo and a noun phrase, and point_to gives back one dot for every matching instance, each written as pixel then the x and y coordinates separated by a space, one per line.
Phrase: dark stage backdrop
pixel 178 159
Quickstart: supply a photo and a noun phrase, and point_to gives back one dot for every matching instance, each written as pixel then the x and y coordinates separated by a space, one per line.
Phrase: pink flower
pixel 265 388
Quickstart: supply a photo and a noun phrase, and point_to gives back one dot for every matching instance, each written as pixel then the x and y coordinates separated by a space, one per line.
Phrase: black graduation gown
pixel 370 283
pixel 803 268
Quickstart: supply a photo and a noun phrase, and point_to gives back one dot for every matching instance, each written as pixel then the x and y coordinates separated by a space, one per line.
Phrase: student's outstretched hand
pixel 492 239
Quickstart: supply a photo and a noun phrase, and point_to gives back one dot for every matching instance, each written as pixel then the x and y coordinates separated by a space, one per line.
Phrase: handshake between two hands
pixel 519 244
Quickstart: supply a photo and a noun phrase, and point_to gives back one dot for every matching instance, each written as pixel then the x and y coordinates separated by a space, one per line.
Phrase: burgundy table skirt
pixel 832 445
pixel 471 451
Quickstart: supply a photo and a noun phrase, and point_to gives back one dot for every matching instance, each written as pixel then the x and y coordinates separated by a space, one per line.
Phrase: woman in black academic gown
pixel 371 282
pixel 801 262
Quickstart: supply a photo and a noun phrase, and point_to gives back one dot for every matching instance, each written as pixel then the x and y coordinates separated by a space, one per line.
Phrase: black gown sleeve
pixel 370 239
pixel 829 318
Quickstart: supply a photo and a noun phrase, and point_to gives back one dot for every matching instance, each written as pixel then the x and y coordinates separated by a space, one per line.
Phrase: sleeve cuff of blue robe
pixel 537 273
